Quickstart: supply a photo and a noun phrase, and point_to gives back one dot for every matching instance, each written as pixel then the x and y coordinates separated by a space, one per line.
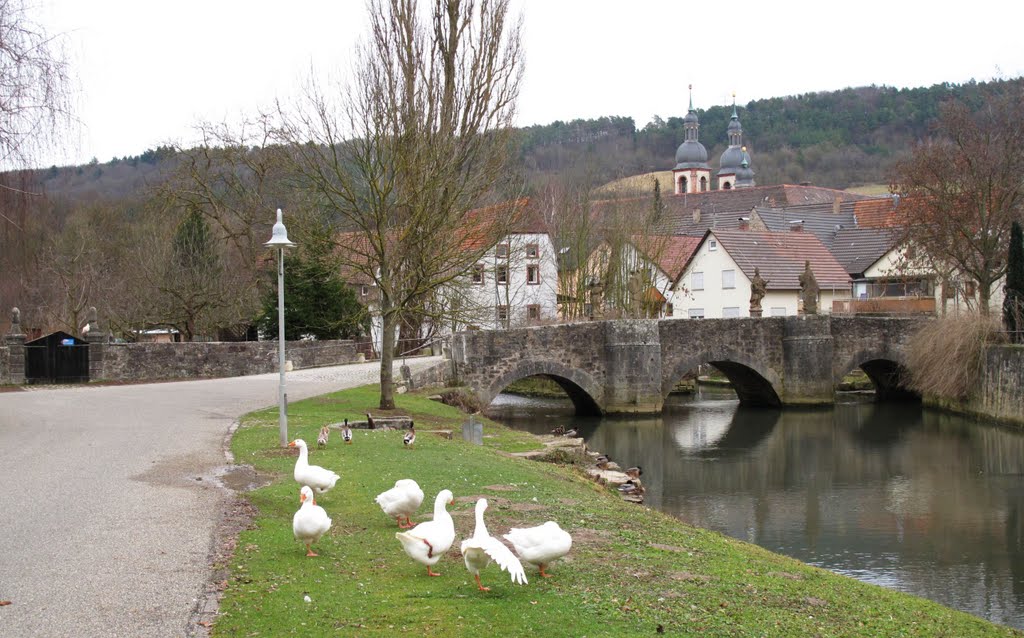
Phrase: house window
pixel 728 279
pixel 778 312
pixel 478 274
pixel 503 313
pixel 731 313
pixel 501 273
pixel 364 290
pixel 969 288
pixel 533 274
pixel 695 313
pixel 712 245
pixel 501 251
pixel 697 281
pixel 533 312
pixel 669 310
pixel 532 252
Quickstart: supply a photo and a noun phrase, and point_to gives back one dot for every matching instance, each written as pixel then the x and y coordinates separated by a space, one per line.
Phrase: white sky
pixel 148 71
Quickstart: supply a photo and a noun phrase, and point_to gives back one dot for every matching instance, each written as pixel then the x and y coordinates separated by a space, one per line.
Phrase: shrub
pixel 944 357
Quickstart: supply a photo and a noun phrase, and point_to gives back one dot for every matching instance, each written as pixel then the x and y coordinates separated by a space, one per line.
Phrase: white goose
pixel 540 545
pixel 316 477
pixel 401 501
pixel 428 541
pixel 479 550
pixel 310 522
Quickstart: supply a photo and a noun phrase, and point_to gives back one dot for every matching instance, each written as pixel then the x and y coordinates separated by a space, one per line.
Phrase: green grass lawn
pixel 631 569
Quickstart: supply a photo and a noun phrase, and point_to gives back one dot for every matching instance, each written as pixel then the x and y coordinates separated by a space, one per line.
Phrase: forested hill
pixel 836 139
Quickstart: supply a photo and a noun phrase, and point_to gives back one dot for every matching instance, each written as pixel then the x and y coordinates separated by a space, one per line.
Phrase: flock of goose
pixel 427 542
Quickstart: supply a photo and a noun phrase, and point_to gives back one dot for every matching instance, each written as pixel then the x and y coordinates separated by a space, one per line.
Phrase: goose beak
pixel 291 444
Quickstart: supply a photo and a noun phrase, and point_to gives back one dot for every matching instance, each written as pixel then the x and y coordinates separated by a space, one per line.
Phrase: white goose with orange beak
pixel 310 522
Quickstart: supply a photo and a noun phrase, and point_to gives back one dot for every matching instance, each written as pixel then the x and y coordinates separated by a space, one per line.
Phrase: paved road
pixel 104 528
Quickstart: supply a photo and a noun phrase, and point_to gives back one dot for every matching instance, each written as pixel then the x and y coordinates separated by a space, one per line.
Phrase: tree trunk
pixel 387 358
pixel 984 294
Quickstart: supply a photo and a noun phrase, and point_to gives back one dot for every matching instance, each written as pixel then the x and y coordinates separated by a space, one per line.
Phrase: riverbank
pixel 632 571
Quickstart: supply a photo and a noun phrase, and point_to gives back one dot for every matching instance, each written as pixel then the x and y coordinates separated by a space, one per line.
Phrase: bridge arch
pixel 886 369
pixel 583 390
pixel 754 383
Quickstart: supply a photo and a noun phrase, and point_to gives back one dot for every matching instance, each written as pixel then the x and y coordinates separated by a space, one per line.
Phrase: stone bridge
pixel 611 367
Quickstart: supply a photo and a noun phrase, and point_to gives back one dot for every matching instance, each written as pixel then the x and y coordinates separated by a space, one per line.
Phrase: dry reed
pixel 945 357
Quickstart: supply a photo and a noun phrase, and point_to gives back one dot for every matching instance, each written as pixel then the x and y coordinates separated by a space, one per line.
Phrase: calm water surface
pixel 917 500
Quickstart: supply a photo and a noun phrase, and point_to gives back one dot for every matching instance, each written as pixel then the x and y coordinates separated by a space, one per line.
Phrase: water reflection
pixel 921 501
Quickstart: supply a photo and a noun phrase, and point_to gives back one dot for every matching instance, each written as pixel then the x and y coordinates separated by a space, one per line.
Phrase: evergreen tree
pixel 317 302
pixel 1013 301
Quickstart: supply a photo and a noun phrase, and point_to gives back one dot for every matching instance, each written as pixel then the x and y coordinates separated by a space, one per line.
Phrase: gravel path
pixel 107 507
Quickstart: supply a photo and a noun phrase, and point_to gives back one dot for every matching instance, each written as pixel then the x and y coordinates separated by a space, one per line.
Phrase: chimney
pixel 744 223
pixel 696 215
pixel 797 225
pixel 835 204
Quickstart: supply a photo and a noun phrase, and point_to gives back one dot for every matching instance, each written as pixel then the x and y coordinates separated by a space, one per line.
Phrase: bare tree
pixel 960 192
pixel 420 137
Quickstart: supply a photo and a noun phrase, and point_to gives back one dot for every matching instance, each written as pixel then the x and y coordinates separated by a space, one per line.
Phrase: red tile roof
pixel 876 213
pixel 781 256
pixel 671 253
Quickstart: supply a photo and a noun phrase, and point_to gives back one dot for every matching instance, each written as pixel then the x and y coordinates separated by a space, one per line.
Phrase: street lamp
pixel 279 240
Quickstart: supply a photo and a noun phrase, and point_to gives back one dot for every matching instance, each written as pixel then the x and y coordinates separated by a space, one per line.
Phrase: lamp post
pixel 279 240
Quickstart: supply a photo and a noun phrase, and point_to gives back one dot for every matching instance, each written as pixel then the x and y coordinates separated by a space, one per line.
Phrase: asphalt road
pixel 107 507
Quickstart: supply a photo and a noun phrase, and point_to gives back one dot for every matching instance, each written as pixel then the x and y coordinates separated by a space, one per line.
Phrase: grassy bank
pixel 631 571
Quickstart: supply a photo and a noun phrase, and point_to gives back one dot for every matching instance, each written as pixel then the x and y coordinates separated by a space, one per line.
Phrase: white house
pixel 716 280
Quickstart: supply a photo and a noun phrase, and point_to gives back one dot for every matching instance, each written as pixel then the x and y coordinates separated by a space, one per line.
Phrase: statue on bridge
pixel 809 290
pixel 758 289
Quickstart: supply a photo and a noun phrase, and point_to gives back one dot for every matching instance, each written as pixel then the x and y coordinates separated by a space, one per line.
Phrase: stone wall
pixel 155 361
pixel 1000 393
pixel 5 365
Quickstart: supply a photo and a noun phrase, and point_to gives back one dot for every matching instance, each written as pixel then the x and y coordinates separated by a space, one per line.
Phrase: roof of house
pixel 780 257
pixel 669 252
pixel 823 224
pixel 858 248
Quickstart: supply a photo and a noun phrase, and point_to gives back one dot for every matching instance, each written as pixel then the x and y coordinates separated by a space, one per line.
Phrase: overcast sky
pixel 147 71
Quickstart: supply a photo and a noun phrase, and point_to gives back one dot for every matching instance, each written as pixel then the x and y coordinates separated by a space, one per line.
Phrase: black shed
pixel 57 358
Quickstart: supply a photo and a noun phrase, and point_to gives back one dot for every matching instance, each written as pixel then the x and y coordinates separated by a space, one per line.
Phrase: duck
pixel 634 472
pixel 310 522
pixel 401 501
pixel 480 549
pixel 571 433
pixel 410 436
pixel 540 545
pixel 318 478
pixel 632 490
pixel 427 542
pixel 346 433
pixel 602 461
pixel 321 439
pixel 560 430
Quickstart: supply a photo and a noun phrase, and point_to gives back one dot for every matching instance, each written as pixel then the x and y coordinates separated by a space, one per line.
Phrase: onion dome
pixel 691 153
pixel 745 174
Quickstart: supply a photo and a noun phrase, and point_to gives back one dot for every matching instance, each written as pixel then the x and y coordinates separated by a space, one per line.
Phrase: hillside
pixel 837 139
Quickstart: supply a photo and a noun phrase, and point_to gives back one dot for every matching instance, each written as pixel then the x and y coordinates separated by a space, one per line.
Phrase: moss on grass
pixel 631 569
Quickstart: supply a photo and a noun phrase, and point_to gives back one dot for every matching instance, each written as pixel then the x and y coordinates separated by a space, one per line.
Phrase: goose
pixel 634 472
pixel 316 477
pixel 310 522
pixel 410 436
pixel 321 439
pixel 346 433
pixel 479 550
pixel 401 501
pixel 428 541
pixel 540 545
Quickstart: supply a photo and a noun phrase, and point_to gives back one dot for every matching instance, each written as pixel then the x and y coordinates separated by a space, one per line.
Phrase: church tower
pixel 692 173
pixel 731 162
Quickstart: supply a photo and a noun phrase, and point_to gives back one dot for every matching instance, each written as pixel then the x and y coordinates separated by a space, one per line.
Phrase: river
pixel 918 500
